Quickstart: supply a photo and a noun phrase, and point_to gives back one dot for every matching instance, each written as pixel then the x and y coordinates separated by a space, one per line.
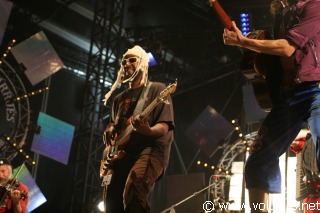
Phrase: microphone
pixel 223 177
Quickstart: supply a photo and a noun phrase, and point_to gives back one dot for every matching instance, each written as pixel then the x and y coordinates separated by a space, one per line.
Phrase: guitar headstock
pixel 171 88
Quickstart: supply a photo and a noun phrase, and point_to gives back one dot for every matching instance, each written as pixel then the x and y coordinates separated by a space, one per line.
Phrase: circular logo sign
pixel 8 106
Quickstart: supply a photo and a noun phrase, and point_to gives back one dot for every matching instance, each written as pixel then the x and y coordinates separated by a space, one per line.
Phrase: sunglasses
pixel 130 60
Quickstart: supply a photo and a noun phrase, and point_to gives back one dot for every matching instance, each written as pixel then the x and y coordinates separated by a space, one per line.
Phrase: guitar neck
pixel 147 111
pixel 130 128
pixel 224 18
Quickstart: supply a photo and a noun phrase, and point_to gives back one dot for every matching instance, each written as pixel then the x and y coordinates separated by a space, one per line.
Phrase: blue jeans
pixel 278 130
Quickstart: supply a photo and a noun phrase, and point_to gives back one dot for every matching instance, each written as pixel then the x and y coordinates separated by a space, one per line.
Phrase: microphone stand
pixel 171 209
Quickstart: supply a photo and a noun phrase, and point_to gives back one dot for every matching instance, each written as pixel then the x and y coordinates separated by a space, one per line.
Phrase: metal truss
pixel 230 153
pixel 190 73
pixel 102 65
pixel 23 10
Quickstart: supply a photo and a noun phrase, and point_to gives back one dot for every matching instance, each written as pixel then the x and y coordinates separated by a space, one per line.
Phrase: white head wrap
pixel 143 64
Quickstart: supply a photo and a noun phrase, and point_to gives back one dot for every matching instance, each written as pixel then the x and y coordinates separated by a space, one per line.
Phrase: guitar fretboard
pixel 130 128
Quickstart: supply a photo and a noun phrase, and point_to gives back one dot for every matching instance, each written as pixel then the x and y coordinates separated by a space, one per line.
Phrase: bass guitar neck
pixel 222 15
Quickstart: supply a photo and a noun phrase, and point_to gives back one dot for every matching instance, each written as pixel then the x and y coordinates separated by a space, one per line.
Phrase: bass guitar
pixel 113 151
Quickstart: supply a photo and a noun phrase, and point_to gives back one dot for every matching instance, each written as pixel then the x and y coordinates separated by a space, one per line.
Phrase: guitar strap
pixel 142 99
pixel 139 108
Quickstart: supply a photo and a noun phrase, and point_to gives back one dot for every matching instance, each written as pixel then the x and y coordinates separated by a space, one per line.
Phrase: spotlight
pixel 245 23
pixel 152 60
pixel 101 206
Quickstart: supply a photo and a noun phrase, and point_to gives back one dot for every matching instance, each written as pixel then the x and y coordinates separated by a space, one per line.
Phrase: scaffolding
pixel 102 65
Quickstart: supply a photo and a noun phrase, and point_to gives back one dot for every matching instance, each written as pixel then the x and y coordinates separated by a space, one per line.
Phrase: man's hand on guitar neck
pixel 142 126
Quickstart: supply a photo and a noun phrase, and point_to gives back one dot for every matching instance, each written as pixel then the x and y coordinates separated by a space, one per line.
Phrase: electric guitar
pixel 113 151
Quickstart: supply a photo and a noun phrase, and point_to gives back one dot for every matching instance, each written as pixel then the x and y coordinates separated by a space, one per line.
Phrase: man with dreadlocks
pixel 293 78
pixel 148 149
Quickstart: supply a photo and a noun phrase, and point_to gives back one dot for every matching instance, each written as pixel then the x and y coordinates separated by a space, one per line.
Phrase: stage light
pixel 18 149
pixel 101 206
pixel 9 47
pixel 152 60
pixel 245 23
pixel 32 93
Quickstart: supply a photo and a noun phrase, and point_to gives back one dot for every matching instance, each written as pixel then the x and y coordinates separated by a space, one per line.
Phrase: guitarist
pixel 148 149
pixel 296 46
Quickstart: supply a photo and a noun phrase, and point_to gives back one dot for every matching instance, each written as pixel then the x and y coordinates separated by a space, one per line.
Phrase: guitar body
pixel 110 154
pixel 113 152
pixel 257 68
pixel 253 60
pixel 276 73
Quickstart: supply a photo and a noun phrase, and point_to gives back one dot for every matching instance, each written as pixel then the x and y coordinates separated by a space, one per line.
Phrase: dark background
pixel 188 30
